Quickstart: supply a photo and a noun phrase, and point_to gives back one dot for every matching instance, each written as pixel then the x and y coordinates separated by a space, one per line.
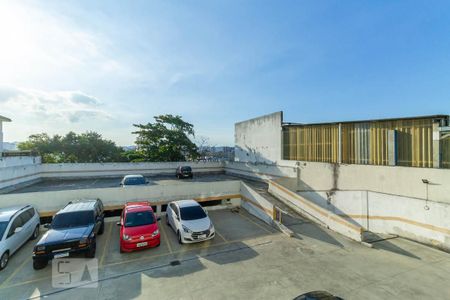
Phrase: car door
pixel 97 218
pixel 27 226
pixel 13 239
pixel 176 218
pixel 170 214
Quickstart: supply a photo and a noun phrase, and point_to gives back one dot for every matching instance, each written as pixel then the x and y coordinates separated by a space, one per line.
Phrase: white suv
pixel 18 224
pixel 189 221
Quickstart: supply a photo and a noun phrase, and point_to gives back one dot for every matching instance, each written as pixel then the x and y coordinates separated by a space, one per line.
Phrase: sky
pixel 106 65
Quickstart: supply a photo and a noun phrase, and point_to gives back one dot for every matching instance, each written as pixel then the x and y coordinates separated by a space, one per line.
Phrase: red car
pixel 138 227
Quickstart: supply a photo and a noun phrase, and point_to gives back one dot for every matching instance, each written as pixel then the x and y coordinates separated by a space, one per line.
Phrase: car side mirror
pixel 119 224
pixel 48 226
pixel 158 218
pixel 121 184
pixel 147 182
pixel 18 229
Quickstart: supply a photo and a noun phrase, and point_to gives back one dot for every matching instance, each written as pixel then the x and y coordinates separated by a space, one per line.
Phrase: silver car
pixel 18 224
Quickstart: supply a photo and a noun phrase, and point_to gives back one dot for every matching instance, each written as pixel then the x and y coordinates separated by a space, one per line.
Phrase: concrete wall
pixel 317 213
pixel 424 221
pixel 259 140
pixel 256 204
pixel 120 169
pixel 314 176
pixel 54 200
pixel 19 170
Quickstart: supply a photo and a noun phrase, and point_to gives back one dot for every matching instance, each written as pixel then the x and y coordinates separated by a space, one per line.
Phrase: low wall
pixel 16 171
pixel 49 202
pixel 417 219
pixel 256 204
pixel 314 176
pixel 120 169
pixel 315 212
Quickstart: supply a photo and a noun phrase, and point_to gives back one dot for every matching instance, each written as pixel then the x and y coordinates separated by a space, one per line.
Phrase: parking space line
pixel 260 226
pixel 166 237
pixel 221 236
pixel 126 261
pixel 16 271
pixel 108 238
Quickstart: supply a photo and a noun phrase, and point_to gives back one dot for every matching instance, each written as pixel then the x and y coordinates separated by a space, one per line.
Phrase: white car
pixel 18 224
pixel 190 221
pixel 129 180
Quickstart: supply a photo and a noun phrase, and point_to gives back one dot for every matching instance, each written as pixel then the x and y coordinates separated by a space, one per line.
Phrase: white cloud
pixel 62 106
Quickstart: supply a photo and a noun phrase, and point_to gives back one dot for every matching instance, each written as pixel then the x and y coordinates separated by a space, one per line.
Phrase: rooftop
pixel 7 212
pixel 79 206
pixel 4 119
pixel 427 117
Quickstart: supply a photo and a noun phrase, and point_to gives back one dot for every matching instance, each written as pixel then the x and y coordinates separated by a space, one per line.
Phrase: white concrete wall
pixel 390 214
pixel 314 176
pixel 120 169
pixel 55 200
pixel 19 170
pixel 256 204
pixel 316 213
pixel 17 161
pixel 259 139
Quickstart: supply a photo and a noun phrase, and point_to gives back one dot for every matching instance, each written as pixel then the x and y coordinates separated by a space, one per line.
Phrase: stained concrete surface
pixel 247 260
pixel 107 182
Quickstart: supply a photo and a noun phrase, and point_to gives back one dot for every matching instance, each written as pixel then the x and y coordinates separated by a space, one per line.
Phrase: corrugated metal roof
pixel 440 117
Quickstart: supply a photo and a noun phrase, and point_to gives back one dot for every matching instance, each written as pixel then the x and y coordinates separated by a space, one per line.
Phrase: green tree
pixel 87 147
pixel 167 139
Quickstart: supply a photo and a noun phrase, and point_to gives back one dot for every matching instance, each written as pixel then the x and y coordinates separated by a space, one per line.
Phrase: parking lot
pixel 106 182
pixel 247 259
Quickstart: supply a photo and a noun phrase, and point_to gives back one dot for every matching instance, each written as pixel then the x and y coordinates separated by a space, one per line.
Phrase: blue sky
pixel 77 65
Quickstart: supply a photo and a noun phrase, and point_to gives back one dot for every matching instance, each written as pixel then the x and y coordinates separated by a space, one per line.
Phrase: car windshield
pixel 192 213
pixel 134 181
pixel 3 226
pixel 186 169
pixel 139 218
pixel 73 219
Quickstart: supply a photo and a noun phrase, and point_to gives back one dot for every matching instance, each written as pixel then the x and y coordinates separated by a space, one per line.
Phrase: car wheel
pixel 102 228
pixel 35 233
pixel 179 237
pixel 91 252
pixel 39 264
pixel 4 260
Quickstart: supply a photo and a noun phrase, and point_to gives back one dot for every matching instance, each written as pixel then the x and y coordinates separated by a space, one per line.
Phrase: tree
pixel 87 147
pixel 167 139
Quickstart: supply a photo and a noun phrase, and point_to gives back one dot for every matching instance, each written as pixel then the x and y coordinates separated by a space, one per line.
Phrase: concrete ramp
pixel 316 213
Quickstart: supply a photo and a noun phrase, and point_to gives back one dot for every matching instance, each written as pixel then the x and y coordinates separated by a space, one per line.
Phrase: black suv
pixel 73 230
pixel 184 172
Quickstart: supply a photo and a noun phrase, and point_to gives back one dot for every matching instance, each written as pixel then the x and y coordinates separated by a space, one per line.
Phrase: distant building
pixel 2 119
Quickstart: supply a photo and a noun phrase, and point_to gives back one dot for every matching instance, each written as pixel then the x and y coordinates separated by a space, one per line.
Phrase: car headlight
pixel 40 248
pixel 187 230
pixel 155 233
pixel 126 237
pixel 211 226
pixel 84 240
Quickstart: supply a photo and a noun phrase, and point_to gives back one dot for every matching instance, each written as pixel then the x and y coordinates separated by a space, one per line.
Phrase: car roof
pixel 133 176
pixel 138 206
pixel 186 203
pixel 78 206
pixel 7 212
